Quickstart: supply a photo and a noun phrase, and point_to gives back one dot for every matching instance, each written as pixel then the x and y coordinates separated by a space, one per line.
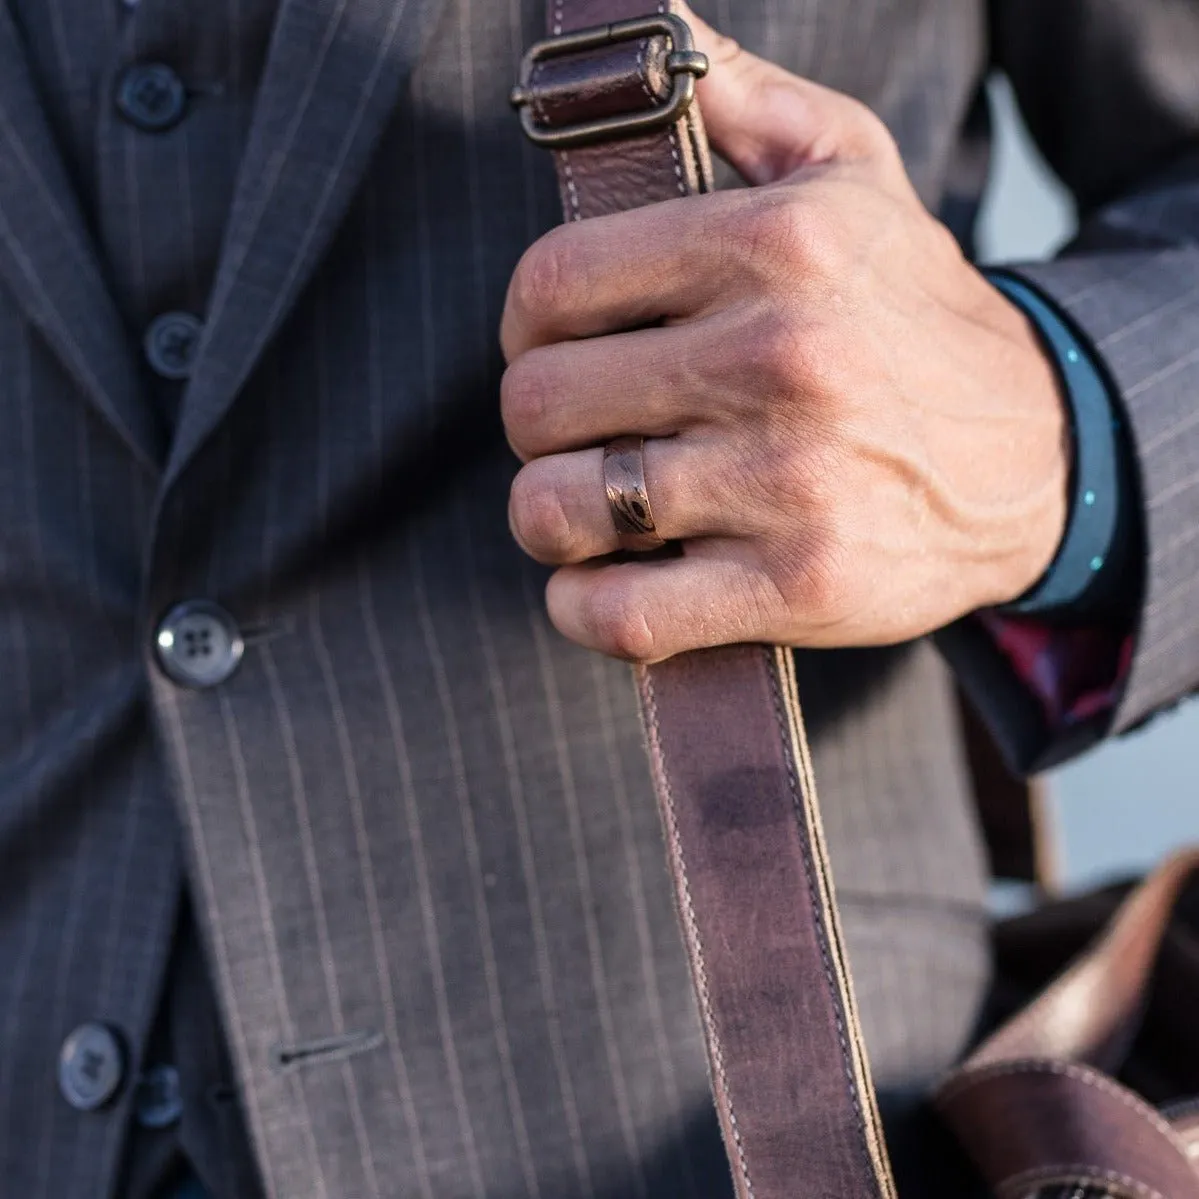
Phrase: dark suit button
pixel 171 342
pixel 198 644
pixel 158 1100
pixel 91 1067
pixel 151 97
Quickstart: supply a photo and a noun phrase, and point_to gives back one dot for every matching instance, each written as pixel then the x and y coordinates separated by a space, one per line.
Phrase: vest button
pixel 171 342
pixel 158 1099
pixel 151 97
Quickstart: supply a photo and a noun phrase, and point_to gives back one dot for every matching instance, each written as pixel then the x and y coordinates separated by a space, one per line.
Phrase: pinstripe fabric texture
pixel 416 824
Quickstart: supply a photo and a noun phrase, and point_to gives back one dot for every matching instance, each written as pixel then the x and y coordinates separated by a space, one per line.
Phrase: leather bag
pixel 610 92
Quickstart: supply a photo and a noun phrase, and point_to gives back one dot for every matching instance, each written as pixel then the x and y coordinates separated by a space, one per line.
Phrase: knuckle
pixel 789 355
pixel 811 484
pixel 824 580
pixel 784 233
pixel 774 231
pixel 619 623
pixel 818 576
pixel 538 516
pixel 775 352
pixel 763 606
pixel 547 276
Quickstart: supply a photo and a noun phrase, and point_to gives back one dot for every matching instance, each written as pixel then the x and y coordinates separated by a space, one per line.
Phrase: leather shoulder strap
pixel 726 740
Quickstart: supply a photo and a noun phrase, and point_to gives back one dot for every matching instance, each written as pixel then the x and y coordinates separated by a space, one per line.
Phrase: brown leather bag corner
pixel 610 91
pixel 1064 1093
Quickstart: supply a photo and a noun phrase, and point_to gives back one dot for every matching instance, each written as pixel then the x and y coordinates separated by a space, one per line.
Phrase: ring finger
pixel 558 507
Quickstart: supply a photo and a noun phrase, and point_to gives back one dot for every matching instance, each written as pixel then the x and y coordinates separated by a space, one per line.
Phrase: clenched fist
pixel 852 435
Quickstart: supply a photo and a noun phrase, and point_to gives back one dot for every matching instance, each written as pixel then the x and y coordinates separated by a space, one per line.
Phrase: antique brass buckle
pixel 684 64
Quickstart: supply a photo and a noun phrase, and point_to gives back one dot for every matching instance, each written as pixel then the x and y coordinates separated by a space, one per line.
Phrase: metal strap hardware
pixel 684 64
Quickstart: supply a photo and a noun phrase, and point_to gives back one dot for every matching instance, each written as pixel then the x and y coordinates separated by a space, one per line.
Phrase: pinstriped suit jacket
pixel 416 824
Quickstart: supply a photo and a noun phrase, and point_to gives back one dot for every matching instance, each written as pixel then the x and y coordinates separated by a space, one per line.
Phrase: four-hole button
pixel 198 644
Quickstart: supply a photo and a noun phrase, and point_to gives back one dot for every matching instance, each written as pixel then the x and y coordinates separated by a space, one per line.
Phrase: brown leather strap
pixel 734 781
pixel 730 763
pixel 1029 1124
pixel 1030 1105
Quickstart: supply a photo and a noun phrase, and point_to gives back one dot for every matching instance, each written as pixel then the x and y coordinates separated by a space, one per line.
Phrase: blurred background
pixel 1128 803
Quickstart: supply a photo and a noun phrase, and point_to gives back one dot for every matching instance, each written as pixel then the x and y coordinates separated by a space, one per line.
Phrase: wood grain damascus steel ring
pixel 628 501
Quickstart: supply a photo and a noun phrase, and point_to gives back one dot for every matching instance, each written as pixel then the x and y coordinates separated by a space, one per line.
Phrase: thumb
pixel 768 122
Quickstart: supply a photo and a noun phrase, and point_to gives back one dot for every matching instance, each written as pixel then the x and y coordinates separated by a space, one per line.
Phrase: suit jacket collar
pixel 330 85
pixel 49 262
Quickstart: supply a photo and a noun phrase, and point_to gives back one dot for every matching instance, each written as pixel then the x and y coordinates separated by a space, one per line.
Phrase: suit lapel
pixel 48 262
pixel 333 73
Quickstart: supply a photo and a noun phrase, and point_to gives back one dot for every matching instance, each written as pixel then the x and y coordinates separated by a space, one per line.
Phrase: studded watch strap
pixel 730 762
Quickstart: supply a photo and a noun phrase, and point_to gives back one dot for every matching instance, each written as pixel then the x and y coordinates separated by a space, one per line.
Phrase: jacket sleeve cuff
pixel 1140 312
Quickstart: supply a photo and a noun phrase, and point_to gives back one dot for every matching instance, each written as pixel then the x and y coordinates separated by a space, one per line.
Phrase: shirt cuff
pixel 1076 675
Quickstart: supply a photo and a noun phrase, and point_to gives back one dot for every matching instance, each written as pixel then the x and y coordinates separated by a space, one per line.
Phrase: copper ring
pixel 628 501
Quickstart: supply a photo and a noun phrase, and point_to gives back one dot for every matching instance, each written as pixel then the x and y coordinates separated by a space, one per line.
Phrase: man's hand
pixel 854 436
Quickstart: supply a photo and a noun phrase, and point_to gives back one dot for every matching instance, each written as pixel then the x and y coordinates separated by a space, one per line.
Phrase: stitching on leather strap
pixel 678 161
pixel 1076 1174
pixel 1079 1073
pixel 571 190
pixel 818 911
pixel 692 926
pixel 568 175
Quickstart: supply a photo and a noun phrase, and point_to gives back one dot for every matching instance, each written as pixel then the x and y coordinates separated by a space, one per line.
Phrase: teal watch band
pixel 1093 555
